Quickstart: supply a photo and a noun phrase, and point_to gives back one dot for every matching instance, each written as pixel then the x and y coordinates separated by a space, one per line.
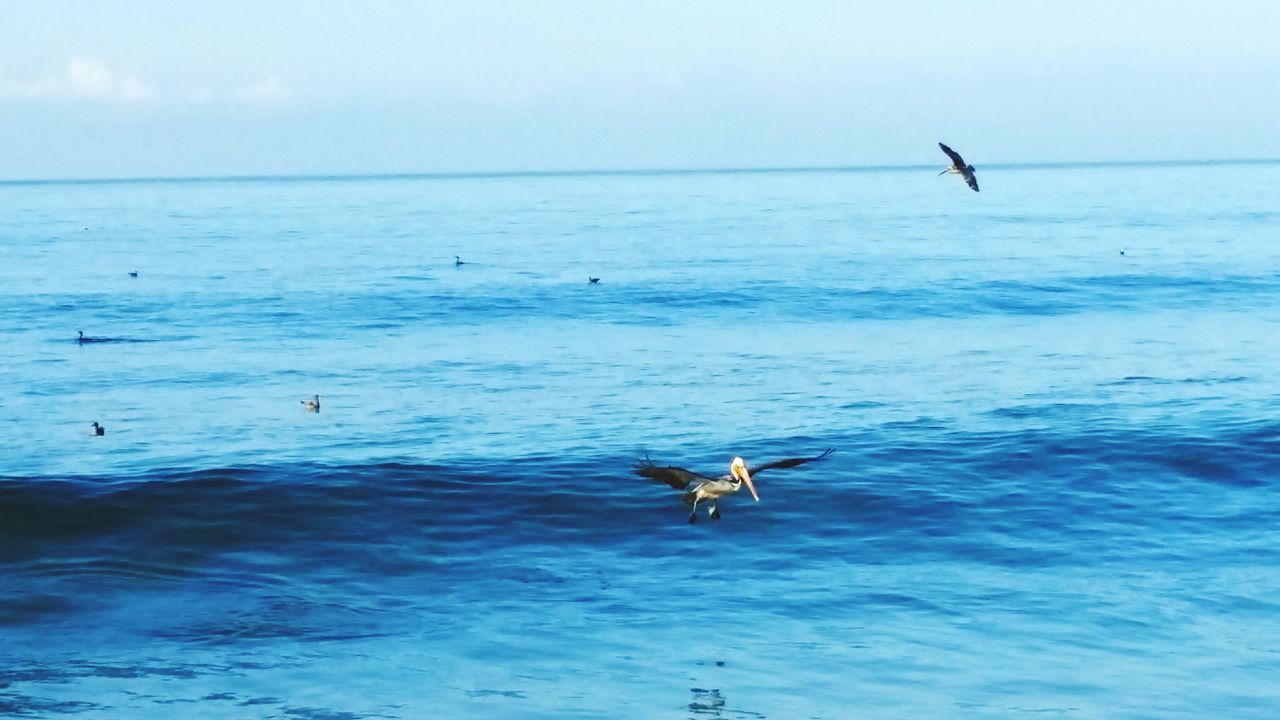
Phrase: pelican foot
pixel 715 513
pixel 693 518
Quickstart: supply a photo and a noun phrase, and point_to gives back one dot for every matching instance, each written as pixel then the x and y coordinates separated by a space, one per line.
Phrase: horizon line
pixel 602 172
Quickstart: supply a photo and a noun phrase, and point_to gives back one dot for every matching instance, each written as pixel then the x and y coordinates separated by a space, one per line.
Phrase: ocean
pixel 1055 490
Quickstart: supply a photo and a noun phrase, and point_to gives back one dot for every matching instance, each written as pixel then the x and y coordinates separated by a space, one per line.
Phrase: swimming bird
pixel 82 339
pixel 958 167
pixel 702 487
pixel 312 405
pixel 593 280
pixel 458 261
pixel 96 429
pixel 133 273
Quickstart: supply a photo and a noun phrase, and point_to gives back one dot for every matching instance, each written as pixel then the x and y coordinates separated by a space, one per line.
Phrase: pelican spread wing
pixel 955 156
pixel 789 462
pixel 680 478
pixel 676 477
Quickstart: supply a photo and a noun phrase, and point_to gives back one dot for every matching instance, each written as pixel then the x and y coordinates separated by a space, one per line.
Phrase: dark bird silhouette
pixel 312 405
pixel 96 429
pixel 458 261
pixel 133 273
pixel 958 167
pixel 593 280
pixel 704 487
pixel 85 340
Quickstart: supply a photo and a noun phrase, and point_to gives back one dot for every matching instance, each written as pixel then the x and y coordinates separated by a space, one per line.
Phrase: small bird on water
pixel 457 260
pixel 133 273
pixel 593 280
pixel 959 167
pixel 96 429
pixel 312 405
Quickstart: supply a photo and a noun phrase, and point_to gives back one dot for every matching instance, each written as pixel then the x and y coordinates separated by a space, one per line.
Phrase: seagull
pixel 312 405
pixel 593 280
pixel 96 429
pixel 958 167
pixel 701 487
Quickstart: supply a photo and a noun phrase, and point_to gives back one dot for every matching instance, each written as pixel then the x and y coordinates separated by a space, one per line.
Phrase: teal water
pixel 1053 491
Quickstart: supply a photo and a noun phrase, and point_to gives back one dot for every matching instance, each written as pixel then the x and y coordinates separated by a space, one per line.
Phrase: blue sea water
pixel 1055 491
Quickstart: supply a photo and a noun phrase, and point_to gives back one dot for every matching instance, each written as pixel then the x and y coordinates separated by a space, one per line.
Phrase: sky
pixel 240 87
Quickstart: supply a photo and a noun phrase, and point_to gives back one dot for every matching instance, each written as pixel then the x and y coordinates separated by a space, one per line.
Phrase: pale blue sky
pixel 126 88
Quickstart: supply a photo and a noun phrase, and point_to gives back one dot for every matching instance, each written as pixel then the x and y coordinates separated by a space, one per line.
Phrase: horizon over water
pixel 1053 407
pixel 605 171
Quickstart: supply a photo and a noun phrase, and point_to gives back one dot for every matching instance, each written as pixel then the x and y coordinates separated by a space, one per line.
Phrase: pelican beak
pixel 739 471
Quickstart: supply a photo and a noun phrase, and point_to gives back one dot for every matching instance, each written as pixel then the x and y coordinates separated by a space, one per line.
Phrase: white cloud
pixel 85 78
pixel 131 88
pixel 90 79
pixel 267 90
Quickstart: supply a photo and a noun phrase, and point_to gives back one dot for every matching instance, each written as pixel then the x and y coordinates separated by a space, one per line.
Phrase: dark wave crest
pixel 909 488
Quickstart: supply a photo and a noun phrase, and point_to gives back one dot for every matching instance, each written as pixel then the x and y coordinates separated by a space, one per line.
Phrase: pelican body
pixel 715 489
pixel 959 167
pixel 702 488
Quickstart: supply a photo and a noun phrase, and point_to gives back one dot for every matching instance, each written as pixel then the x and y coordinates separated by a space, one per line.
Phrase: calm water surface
pixel 1055 491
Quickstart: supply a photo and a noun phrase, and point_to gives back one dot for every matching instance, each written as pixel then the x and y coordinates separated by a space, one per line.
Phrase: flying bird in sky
pixel 959 167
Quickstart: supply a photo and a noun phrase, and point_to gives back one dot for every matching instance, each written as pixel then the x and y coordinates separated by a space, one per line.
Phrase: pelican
pixel 958 167
pixel 593 280
pixel 312 405
pixel 96 429
pixel 701 487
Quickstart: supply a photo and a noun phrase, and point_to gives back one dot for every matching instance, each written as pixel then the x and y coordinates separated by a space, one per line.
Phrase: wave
pixel 914 487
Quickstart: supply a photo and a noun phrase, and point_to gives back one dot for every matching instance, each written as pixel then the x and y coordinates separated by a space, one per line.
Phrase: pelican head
pixel 738 469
